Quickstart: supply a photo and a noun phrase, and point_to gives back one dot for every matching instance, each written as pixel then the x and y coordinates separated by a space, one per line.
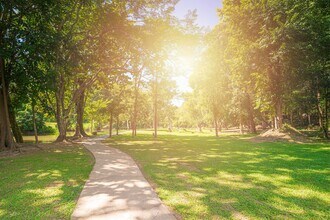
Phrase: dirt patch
pixel 235 214
pixel 189 166
pixel 287 134
pixel 55 184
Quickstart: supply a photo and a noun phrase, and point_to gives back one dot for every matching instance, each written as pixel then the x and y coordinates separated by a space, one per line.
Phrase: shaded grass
pixel 202 177
pixel 45 184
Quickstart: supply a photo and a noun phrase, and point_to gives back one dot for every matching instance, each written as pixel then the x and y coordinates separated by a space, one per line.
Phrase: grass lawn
pixel 52 137
pixel 43 184
pixel 202 177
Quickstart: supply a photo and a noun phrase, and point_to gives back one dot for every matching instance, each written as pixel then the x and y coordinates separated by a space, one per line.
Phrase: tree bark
pixel 278 114
pixel 117 125
pixel 7 140
pixel 80 107
pixel 15 128
pixel 241 131
pixel 110 124
pixel 252 125
pixel 60 119
pixel 34 122
pixel 216 127
pixel 128 127
pixel 155 105
pixel 323 118
pixel 200 128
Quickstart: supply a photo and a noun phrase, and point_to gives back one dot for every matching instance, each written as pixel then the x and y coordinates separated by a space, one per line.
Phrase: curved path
pixel 116 189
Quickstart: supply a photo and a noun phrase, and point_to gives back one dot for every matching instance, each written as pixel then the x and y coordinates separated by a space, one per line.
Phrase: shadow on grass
pixel 206 177
pixel 44 185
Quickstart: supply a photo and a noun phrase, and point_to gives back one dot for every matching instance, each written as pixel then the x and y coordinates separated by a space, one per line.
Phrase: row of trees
pixel 73 58
pixel 266 62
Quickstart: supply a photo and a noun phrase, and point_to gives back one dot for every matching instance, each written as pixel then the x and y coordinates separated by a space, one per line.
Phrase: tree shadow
pixel 230 177
pixel 44 185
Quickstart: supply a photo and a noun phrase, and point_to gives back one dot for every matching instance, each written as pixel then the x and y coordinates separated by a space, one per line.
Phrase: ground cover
pixel 43 184
pixel 203 177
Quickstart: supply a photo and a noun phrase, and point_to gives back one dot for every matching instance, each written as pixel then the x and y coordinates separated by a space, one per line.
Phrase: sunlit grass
pixel 203 177
pixel 52 138
pixel 43 185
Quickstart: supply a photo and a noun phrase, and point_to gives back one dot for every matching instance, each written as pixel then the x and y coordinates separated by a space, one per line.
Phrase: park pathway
pixel 116 189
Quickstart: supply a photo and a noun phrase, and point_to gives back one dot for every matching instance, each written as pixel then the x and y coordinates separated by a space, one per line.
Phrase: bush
pixel 25 122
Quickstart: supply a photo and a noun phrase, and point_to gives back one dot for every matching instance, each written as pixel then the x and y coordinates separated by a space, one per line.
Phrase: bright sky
pixel 206 10
pixel 207 17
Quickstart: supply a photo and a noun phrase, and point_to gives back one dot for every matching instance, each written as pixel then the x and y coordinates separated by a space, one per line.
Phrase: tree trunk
pixel 14 126
pixel 110 124
pixel 128 127
pixel 170 126
pixel 252 125
pixel 117 125
pixel 278 114
pixel 12 118
pixel 61 125
pixel 326 124
pixel 80 107
pixel 200 128
pixel 323 118
pixel 61 117
pixel 6 140
pixel 241 130
pixel 155 105
pixel 216 127
pixel 62 131
pixel 34 122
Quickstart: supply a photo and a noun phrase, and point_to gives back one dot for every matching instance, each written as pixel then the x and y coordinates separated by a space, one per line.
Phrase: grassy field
pixel 202 177
pixel 44 184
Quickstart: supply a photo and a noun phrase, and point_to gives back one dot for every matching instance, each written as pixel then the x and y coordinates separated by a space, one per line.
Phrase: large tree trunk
pixel 252 125
pixel 6 138
pixel 12 118
pixel 34 123
pixel 14 126
pixel 61 117
pixel 80 107
pixel 61 124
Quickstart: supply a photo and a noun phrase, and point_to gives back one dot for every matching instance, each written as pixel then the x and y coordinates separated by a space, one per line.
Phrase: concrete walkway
pixel 116 189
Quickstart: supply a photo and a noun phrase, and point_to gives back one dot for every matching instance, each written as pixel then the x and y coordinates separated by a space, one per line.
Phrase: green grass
pixel 203 177
pixel 52 138
pixel 44 184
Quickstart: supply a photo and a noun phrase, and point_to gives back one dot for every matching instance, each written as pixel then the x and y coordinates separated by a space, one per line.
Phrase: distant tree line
pixel 266 63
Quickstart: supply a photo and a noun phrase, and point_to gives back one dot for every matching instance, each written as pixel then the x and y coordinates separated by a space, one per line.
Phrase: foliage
pixel 25 122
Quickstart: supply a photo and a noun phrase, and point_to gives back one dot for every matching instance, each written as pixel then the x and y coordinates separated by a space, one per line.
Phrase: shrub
pixel 25 122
